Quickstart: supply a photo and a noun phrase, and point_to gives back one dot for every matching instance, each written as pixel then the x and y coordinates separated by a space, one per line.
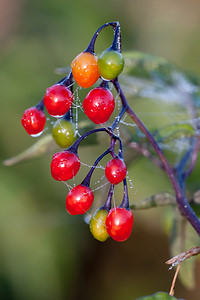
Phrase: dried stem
pixel 183 256
pixel 171 292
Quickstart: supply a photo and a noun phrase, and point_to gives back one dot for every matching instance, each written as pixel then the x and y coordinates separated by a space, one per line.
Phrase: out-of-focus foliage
pixel 45 253
pixel 158 296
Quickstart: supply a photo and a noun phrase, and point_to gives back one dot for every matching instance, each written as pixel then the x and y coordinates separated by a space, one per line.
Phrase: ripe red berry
pixel 85 69
pixel 64 165
pixel 79 200
pixel 99 104
pixel 33 121
pixel 115 170
pixel 58 100
pixel 119 223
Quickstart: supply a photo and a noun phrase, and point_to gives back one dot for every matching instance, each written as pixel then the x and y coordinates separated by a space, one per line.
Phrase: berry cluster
pixel 98 106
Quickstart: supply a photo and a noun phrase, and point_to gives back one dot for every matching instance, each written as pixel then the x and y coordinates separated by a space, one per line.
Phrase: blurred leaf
pixel 147 66
pixel 157 296
pixel 183 238
pixel 174 131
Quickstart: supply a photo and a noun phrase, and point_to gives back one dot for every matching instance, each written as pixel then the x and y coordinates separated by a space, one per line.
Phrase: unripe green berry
pixel 97 225
pixel 63 133
pixel 110 64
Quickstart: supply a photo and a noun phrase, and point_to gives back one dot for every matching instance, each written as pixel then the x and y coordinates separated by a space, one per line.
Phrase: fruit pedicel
pixel 86 69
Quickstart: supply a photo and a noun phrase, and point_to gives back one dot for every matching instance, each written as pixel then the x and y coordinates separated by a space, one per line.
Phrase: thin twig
pixel 162 199
pixel 145 152
pixel 183 256
pixel 171 293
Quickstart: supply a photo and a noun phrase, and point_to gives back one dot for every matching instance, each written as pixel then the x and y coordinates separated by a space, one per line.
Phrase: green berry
pixel 110 64
pixel 97 225
pixel 63 133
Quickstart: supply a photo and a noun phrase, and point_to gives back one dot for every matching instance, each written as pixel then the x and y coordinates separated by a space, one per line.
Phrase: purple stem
pixel 40 105
pixel 86 181
pixel 107 204
pixel 182 202
pixel 193 159
pixel 125 201
pixel 90 47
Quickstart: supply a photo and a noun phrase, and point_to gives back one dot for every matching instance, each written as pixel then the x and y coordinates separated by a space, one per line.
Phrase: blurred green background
pixel 45 253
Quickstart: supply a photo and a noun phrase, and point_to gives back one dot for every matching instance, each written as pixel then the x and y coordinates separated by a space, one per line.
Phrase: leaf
pixel 157 296
pixel 174 131
pixel 147 66
pixel 183 238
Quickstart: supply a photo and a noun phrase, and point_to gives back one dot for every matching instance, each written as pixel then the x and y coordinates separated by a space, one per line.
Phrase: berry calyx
pixel 97 225
pixel 58 100
pixel 115 170
pixel 63 133
pixel 64 165
pixel 85 69
pixel 119 223
pixel 99 104
pixel 110 64
pixel 79 200
pixel 33 121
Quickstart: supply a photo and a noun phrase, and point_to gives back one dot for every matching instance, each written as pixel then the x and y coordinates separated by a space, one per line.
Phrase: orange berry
pixel 85 69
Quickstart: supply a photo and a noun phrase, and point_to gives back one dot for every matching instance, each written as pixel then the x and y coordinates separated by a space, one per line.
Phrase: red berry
pixel 33 121
pixel 115 170
pixel 58 100
pixel 99 104
pixel 64 165
pixel 79 200
pixel 119 223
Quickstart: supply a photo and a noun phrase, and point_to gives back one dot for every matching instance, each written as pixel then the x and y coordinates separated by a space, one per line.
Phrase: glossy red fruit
pixel 64 165
pixel 79 200
pixel 33 121
pixel 119 223
pixel 99 104
pixel 58 100
pixel 115 170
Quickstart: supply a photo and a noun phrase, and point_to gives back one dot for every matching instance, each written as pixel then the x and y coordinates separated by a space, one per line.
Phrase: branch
pixel 145 152
pixel 181 199
pixel 162 199
pixel 183 256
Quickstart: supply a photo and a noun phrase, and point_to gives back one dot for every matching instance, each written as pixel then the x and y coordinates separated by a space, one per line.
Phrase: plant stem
pixel 90 47
pixel 181 200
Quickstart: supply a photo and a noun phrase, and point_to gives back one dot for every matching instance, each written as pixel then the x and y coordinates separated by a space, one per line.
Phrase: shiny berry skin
pixel 63 133
pixel 64 165
pixel 33 121
pixel 85 69
pixel 97 225
pixel 79 200
pixel 58 100
pixel 111 64
pixel 99 104
pixel 119 223
pixel 115 170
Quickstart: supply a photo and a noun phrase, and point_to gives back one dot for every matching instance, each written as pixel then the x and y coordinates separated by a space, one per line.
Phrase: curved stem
pixel 107 204
pixel 125 201
pixel 86 181
pixel 182 202
pixel 90 47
